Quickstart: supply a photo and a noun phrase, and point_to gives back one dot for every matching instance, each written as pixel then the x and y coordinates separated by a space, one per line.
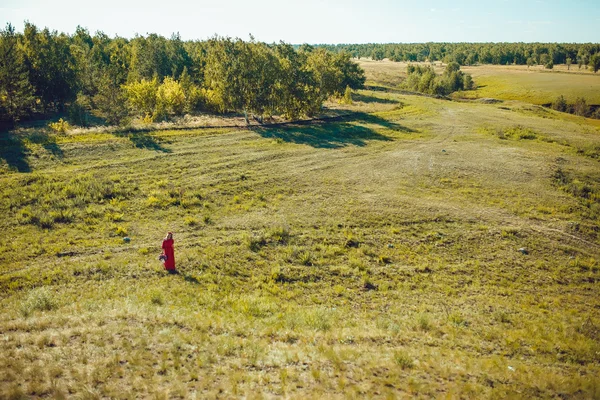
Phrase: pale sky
pixel 313 21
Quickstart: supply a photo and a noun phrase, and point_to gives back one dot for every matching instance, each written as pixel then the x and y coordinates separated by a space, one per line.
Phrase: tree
pixel 580 107
pixel 569 62
pixel 111 100
pixel 141 96
pixel 595 62
pixel 50 65
pixel 560 104
pixel 468 82
pixel 170 98
pixel 16 93
pixel 347 99
pixel 530 62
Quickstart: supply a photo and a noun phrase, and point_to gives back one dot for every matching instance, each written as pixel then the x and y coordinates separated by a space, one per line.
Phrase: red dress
pixel 167 246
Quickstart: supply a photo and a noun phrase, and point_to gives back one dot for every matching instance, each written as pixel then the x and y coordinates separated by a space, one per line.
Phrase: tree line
pixel 153 77
pixel 424 79
pixel 583 55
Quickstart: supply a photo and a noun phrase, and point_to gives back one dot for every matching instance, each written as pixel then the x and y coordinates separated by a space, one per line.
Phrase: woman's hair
pixel 169 236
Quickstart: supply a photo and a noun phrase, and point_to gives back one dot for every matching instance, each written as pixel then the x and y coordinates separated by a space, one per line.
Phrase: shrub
pixel 519 132
pixel 581 108
pixel 280 233
pixel 61 126
pixel 403 360
pixel 170 97
pixel 305 258
pixel 254 243
pixel 141 96
pixel 40 299
pixel 560 104
pixel 347 99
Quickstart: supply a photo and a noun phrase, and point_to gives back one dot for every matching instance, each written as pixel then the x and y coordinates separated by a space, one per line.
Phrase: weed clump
pixel 190 221
pixel 41 299
pixel 403 360
pixel 254 243
pixel 280 234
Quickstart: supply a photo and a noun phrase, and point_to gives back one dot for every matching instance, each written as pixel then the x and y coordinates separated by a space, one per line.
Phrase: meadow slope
pixel 419 247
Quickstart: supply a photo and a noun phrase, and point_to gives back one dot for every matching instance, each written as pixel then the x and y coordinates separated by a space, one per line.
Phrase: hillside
pixel 417 247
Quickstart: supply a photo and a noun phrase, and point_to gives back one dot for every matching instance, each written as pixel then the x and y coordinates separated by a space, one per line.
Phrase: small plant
pixel 153 201
pixel 254 243
pixel 424 324
pixel 190 221
pixel 120 231
pixel 305 258
pixel 403 360
pixel 347 99
pixel 61 126
pixel 157 298
pixel 280 233
pixel 519 132
pixel 40 299
pixel 367 284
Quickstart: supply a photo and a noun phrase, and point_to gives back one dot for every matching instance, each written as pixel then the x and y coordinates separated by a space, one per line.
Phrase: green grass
pixel 533 86
pixel 512 82
pixel 373 256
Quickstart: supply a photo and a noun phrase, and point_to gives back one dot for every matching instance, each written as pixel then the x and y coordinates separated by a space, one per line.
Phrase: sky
pixel 325 21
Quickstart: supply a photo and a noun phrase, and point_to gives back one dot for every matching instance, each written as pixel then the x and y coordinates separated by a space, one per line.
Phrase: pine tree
pixel 16 93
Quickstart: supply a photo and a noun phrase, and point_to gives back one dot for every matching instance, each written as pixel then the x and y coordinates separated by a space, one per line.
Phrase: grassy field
pixel 417 248
pixel 535 85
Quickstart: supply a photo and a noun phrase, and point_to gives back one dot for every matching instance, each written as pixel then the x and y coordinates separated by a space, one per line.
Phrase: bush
pixel 61 126
pixel 560 104
pixel 170 97
pixel 40 299
pixel 254 243
pixel 141 96
pixel 581 108
pixel 403 360
pixel 347 99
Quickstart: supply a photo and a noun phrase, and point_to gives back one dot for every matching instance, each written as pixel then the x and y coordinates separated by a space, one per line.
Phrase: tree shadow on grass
pixel 47 142
pixel 355 130
pixel 372 99
pixel 143 140
pixel 14 152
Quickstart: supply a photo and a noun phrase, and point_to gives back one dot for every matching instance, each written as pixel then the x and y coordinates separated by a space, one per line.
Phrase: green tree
pixel 111 100
pixel 347 99
pixel 569 62
pixel 50 65
pixel 16 93
pixel 595 62
pixel 142 96
pixel 560 104
pixel 170 97
pixel 580 107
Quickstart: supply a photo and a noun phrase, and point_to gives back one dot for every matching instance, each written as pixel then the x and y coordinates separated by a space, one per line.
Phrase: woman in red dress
pixel 168 251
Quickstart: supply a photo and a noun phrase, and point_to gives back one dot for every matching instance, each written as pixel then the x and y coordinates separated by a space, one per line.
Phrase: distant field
pixel 536 85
